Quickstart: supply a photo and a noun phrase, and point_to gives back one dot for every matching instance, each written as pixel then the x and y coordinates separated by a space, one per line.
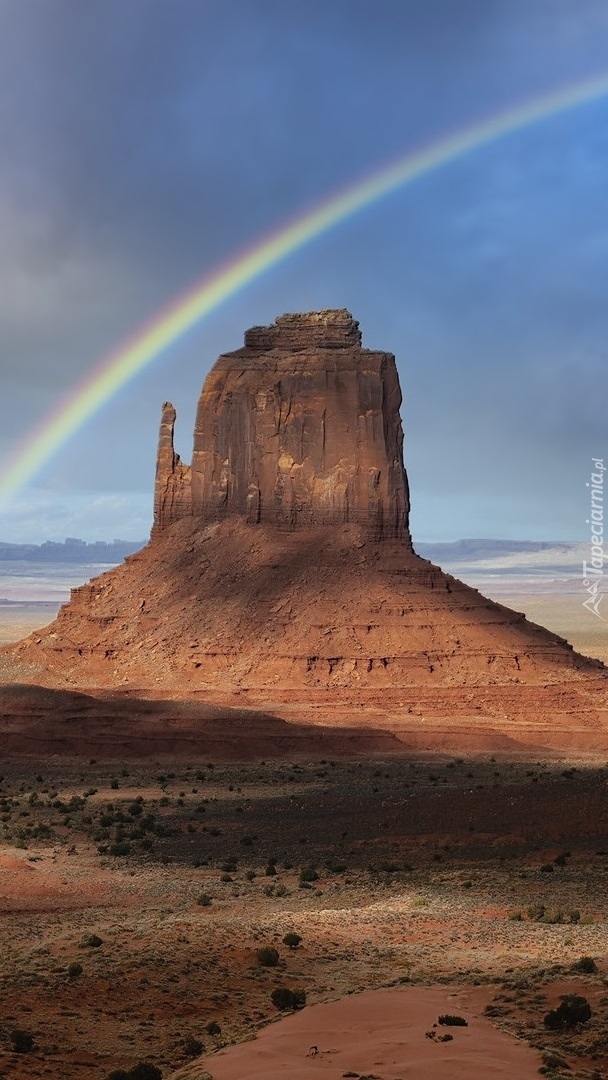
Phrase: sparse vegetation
pixel 283 998
pixel 292 940
pixel 308 874
pixel 177 859
pixel 585 966
pixel 573 1010
pixel 91 941
pixel 142 1071
pixel 22 1041
pixel 192 1047
pixel 267 956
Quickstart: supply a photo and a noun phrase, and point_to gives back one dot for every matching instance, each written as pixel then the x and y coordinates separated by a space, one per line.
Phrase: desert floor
pixel 134 900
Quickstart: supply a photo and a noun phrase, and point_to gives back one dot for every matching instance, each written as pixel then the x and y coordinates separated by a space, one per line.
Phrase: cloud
pixel 145 143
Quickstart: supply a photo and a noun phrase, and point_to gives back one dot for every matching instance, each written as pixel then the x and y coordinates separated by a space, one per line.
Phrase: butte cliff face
pixel 299 428
pixel 280 572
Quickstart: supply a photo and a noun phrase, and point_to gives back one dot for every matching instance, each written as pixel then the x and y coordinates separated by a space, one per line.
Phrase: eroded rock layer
pixel 323 625
pixel 299 428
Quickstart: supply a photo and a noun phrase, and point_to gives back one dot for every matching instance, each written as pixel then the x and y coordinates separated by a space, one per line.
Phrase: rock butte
pixel 280 573
pixel 299 428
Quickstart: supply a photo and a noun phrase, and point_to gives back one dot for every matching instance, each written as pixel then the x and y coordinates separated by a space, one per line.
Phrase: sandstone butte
pixel 280 577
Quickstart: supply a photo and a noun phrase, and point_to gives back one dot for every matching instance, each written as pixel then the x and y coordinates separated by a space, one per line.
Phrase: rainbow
pixel 134 354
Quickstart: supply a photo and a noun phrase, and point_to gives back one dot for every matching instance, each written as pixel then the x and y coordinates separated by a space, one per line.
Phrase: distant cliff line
pixel 71 550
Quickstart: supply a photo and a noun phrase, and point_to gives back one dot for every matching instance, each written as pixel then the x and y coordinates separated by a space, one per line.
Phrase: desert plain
pixel 144 907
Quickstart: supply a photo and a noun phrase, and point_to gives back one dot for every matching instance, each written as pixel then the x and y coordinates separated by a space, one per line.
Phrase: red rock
pixel 280 573
pixel 172 498
pixel 299 428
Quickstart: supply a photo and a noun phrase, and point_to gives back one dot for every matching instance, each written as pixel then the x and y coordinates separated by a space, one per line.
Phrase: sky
pixel 147 142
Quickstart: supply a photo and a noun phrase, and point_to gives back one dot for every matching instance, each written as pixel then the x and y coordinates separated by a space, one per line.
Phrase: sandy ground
pixel 19 620
pixel 381 1033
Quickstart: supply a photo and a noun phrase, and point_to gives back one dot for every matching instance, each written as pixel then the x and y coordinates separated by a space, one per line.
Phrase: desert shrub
pixel 121 847
pixel 213 1028
pixel 493 1010
pixel 192 1047
pixel 308 873
pixel 91 941
pixel 572 1010
pixel 283 998
pixel 23 1041
pixel 267 956
pixel 586 965
pixel 547 868
pixel 74 970
pixel 292 940
pixel 204 900
pixel 553 1060
pixel 451 1020
pixel 553 918
pixel 575 916
pixel 270 870
pixel 144 1071
pixel 536 912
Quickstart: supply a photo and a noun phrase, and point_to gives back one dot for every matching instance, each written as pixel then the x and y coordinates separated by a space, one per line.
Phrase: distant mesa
pixel 280 574
pixel 71 551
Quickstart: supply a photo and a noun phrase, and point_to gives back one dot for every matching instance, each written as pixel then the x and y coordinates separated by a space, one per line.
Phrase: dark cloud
pixel 146 142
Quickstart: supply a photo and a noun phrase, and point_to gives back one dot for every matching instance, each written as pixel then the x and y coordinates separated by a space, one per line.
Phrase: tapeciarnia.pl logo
pixel 593 571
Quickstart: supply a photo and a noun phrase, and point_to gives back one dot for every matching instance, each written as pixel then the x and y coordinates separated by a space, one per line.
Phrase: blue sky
pixel 146 142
